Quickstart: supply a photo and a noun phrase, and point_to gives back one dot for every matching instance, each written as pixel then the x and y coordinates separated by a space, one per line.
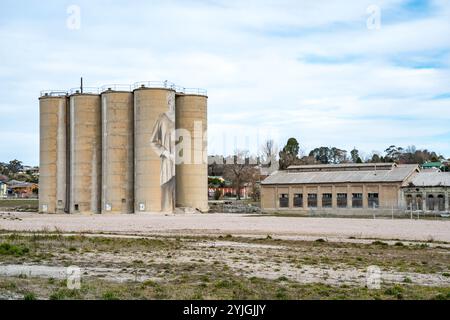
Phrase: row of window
pixel 327 200
pixel 433 203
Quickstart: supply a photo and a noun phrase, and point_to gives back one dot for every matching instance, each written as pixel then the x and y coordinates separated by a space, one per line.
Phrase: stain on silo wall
pixel 85 153
pixel 117 152
pixel 53 148
pixel 192 167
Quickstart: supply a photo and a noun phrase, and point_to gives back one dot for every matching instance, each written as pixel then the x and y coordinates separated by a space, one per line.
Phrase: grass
pixel 14 250
pixel 227 286
pixel 177 268
pixel 29 296
pixel 31 205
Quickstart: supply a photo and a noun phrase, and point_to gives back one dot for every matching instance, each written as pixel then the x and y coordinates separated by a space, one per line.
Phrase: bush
pixel 13 250
pixel 108 295
pixel 379 243
pixel 396 291
pixel 29 296
pixel 217 194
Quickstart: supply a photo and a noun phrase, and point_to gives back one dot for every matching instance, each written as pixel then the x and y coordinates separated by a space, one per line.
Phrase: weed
pixel 13 250
pixel 29 296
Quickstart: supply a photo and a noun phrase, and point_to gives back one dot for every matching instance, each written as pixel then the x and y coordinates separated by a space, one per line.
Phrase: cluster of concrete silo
pixel 120 149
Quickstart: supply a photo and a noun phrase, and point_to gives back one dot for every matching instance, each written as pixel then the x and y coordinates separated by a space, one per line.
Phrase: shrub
pixel 29 296
pixel 379 243
pixel 13 250
pixel 109 295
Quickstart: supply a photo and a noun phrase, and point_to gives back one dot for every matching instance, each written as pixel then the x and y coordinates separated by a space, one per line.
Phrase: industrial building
pixel 344 188
pixel 123 149
pixel 428 191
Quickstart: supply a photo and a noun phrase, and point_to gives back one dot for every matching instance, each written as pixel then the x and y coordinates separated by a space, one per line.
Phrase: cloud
pixel 309 69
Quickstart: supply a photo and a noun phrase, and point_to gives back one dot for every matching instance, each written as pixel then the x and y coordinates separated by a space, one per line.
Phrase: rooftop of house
pixel 431 179
pixel 19 184
pixel 342 167
pixel 437 164
pixel 343 173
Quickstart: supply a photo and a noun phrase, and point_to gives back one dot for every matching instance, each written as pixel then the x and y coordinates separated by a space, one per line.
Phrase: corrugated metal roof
pixel 395 174
pixel 431 179
pixel 342 166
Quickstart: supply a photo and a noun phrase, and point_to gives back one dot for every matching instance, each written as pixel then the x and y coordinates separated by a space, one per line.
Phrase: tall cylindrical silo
pixel 85 153
pixel 154 126
pixel 192 166
pixel 117 152
pixel 52 154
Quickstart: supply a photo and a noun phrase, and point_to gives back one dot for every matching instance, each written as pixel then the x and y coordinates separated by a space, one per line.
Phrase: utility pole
pixel 81 85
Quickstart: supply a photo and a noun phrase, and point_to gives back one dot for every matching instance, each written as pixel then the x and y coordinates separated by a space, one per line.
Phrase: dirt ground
pixel 222 256
pixel 234 224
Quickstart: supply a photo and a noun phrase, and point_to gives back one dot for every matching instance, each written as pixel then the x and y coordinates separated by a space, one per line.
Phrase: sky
pixel 355 73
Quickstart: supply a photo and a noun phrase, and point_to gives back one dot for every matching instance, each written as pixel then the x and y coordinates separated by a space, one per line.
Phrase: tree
pixel 239 171
pixel 269 152
pixel 393 153
pixel 4 169
pixel 292 146
pixel 15 166
pixel 354 154
pixel 289 154
pixel 337 155
pixel 321 154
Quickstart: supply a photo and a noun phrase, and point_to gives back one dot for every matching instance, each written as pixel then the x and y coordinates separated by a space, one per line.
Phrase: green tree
pixel 292 146
pixel 289 154
pixel 15 166
pixel 354 154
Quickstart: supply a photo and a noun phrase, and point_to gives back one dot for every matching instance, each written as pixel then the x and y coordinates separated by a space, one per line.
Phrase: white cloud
pixel 256 60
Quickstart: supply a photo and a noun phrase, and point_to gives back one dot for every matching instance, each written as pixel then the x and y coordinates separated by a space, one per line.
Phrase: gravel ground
pixel 235 224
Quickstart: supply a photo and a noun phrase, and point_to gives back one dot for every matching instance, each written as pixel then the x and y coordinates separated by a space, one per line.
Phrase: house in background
pixel 21 189
pixel 438 166
pixel 3 190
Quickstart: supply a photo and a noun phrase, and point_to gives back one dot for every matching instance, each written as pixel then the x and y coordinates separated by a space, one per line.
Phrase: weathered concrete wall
pixel 388 193
pixel 85 153
pixel 52 163
pixel 192 172
pixel 117 152
pixel 149 105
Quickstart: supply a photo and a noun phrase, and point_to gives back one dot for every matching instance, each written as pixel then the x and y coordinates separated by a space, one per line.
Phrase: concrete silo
pixel 154 147
pixel 53 153
pixel 117 152
pixel 192 166
pixel 85 153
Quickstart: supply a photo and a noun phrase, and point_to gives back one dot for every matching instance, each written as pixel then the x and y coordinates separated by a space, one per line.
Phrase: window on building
pixel 77 207
pixel 357 200
pixel 298 200
pixel 409 200
pixel 374 201
pixel 430 202
pixel 284 200
pixel 441 202
pixel 342 200
pixel 419 202
pixel 312 200
pixel 327 200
